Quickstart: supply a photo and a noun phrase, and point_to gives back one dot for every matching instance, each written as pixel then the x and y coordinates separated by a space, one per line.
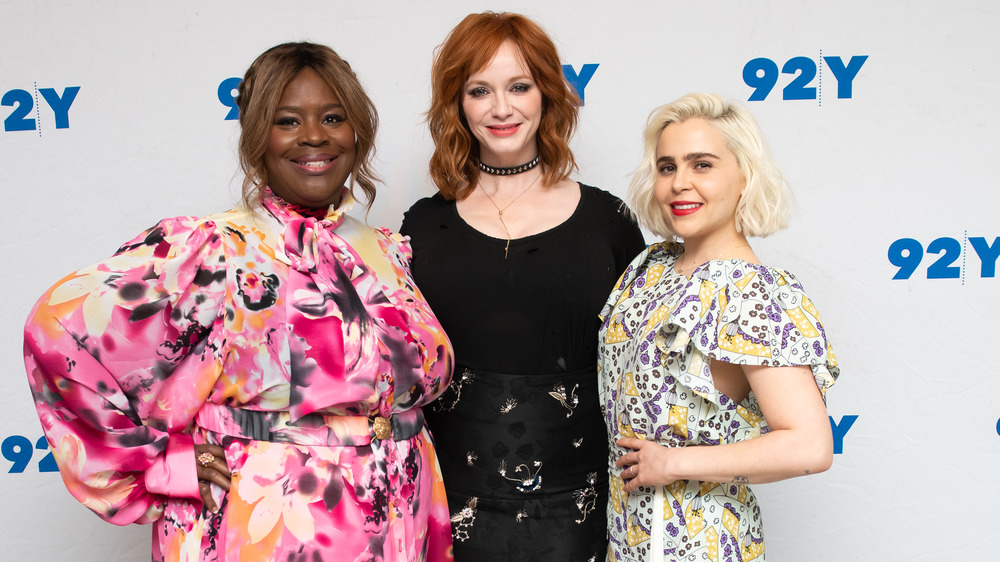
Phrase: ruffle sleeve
pixel 745 314
pixel 434 355
pixel 119 360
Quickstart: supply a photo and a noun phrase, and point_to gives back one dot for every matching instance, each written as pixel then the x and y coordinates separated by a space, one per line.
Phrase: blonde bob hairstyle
pixel 469 47
pixel 258 97
pixel 766 201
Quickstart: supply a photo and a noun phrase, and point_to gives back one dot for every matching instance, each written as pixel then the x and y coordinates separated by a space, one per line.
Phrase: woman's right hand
pixel 214 472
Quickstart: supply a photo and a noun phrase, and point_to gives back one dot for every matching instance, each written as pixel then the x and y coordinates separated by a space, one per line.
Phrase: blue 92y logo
pixel 908 253
pixel 762 75
pixel 18 450
pixel 26 107
pixel 228 88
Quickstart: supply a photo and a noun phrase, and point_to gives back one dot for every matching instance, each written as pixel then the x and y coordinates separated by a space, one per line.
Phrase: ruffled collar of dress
pixel 286 212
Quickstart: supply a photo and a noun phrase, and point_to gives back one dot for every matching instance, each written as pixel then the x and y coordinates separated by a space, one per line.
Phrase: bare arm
pixel 799 442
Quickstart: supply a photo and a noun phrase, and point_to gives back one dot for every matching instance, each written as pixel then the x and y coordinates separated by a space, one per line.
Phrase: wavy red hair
pixel 469 47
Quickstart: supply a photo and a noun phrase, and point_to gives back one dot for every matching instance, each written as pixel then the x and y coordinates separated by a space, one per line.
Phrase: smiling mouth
pixel 503 130
pixel 684 208
pixel 315 163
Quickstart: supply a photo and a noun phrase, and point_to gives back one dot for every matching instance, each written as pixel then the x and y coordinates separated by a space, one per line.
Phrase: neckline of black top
pixel 530 237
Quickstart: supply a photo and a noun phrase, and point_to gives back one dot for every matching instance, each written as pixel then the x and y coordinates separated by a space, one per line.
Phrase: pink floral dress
pixel 301 346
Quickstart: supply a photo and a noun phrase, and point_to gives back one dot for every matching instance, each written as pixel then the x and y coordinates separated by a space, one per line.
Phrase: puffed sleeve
pixel 745 314
pixel 434 357
pixel 119 360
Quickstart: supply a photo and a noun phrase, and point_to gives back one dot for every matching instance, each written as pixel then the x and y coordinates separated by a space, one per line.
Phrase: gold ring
pixel 206 459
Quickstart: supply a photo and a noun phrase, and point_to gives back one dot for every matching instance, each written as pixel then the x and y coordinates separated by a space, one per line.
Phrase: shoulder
pixel 650 264
pixel 749 280
pixel 429 205
pixel 601 200
pixel 426 211
pixel 601 207
pixel 180 231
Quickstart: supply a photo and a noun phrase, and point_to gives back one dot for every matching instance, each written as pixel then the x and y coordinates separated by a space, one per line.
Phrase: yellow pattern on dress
pixel 634 533
pixel 653 274
pixel 675 489
pixel 625 429
pixel 805 327
pixel 742 283
pixel 696 364
pixel 626 386
pixel 752 550
pixel 655 319
pixel 628 380
pixel 706 293
pixel 616 331
pixel 617 493
pixel 737 344
pixel 731 523
pixel 741 494
pixel 752 418
pixel 694 519
pixel 807 305
pixel 712 540
pixel 677 420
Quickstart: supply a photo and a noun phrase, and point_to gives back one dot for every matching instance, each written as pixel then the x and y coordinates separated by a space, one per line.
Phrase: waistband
pixel 324 430
pixel 587 375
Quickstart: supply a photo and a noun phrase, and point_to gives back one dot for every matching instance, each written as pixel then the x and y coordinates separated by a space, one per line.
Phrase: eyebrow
pixel 514 80
pixel 688 157
pixel 298 109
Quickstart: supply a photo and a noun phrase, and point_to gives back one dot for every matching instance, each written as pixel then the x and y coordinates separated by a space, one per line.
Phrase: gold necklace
pixel 507 206
pixel 716 257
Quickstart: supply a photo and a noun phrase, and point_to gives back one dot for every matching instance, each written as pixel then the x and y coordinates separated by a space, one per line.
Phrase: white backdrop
pixel 905 153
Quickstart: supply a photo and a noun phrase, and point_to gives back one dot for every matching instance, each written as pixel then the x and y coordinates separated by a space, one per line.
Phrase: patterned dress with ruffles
pixel 660 332
pixel 298 344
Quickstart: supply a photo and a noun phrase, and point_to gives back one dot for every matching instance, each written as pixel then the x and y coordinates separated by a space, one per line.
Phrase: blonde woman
pixel 714 367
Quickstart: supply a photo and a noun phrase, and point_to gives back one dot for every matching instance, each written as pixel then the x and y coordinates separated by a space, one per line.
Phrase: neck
pixel 703 249
pixel 509 170
pixel 501 185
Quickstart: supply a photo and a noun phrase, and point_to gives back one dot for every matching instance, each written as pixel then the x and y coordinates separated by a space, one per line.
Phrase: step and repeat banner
pixel 883 116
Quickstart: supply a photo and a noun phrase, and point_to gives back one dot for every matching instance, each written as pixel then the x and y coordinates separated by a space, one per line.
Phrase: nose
pixel 681 181
pixel 312 133
pixel 501 108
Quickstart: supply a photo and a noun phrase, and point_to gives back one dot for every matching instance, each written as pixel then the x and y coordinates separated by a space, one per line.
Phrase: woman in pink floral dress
pixel 251 382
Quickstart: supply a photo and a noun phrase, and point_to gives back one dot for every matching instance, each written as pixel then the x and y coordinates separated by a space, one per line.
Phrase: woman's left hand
pixel 646 465
pixel 212 469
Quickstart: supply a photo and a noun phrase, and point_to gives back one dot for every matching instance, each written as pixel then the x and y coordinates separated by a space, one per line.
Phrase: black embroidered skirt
pixel 525 465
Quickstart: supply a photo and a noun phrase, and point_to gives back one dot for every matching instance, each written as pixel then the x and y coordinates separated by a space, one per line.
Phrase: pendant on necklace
pixel 500 210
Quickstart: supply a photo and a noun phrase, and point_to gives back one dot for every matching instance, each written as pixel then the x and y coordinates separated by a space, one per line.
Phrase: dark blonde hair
pixel 766 201
pixel 469 48
pixel 258 97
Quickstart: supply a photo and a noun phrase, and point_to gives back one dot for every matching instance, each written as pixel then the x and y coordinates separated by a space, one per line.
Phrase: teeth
pixel 315 164
pixel 688 206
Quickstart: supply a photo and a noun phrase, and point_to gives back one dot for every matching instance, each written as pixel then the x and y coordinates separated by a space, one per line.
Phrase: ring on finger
pixel 631 470
pixel 206 459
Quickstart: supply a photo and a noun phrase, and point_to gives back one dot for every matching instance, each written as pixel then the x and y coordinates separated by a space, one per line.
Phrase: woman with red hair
pixel 516 260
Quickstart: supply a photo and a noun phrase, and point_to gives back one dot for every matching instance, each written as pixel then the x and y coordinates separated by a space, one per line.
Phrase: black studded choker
pixel 508 171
